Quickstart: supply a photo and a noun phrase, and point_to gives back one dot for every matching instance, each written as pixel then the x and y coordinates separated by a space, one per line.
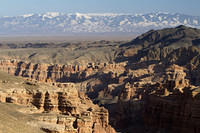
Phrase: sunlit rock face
pixel 55 109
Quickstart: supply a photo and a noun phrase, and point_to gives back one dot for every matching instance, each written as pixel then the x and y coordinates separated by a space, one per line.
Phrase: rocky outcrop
pixel 178 112
pixel 58 73
pixel 93 79
pixel 58 110
pixel 125 92
pixel 172 104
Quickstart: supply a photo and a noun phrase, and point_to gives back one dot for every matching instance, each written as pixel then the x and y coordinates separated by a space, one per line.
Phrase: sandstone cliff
pixel 55 109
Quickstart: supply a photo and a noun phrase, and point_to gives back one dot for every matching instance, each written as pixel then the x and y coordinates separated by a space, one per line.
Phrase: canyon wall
pixel 58 73
pixel 153 97
pixel 177 113
pixel 56 110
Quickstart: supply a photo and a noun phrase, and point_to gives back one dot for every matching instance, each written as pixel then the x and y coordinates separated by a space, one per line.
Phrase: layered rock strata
pixel 57 110
pixel 137 92
pixel 58 73
pixel 175 113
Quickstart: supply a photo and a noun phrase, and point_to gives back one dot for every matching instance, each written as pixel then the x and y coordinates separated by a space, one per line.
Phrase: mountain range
pixel 79 23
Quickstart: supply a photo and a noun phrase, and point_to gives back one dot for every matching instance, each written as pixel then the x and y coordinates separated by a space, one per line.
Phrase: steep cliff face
pixel 175 113
pixel 134 94
pixel 93 79
pixel 165 75
pixel 173 105
pixel 58 73
pixel 57 110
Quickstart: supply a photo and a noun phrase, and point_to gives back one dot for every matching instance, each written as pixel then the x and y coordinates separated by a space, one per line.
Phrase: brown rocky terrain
pixel 54 109
pixel 151 85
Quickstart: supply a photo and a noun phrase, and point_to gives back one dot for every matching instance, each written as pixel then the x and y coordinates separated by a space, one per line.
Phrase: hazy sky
pixel 19 7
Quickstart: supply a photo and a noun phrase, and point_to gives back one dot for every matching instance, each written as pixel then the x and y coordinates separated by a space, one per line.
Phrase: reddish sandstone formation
pixel 151 95
pixel 57 73
pixel 59 110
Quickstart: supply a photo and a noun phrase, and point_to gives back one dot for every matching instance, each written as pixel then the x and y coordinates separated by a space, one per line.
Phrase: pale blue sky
pixel 20 7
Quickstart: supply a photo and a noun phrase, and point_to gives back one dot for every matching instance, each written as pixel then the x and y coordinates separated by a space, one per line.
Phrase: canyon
pixel 55 109
pixel 150 84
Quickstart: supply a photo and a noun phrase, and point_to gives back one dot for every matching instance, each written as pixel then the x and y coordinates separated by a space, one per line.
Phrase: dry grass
pixel 72 54
pixel 12 121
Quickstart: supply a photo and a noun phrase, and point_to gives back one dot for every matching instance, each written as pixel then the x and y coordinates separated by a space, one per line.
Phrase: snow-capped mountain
pixel 60 23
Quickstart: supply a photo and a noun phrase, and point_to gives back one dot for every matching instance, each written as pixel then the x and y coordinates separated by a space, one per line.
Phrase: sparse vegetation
pixel 61 53
pixel 12 121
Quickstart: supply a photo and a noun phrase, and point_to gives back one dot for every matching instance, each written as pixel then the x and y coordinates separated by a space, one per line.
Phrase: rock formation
pixel 59 110
pixel 57 73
